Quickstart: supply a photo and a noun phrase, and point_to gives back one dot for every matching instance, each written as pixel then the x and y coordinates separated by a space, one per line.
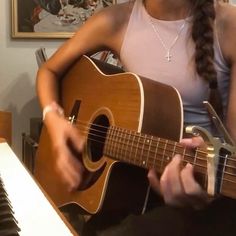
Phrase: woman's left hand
pixel 177 184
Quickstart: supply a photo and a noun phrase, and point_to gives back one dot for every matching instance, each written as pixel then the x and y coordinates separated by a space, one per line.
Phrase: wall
pixel 17 75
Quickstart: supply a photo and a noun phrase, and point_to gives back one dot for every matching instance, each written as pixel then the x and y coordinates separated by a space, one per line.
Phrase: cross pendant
pixel 168 56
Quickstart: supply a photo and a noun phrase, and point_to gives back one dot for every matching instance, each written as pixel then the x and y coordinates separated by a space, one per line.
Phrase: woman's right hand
pixel 67 145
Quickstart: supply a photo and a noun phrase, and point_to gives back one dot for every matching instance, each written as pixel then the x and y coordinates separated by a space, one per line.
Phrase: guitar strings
pixel 85 124
pixel 136 134
pixel 196 165
pixel 160 140
pixel 167 157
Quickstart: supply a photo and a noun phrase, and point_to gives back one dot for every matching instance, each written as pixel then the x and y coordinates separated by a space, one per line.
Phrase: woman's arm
pixel 99 32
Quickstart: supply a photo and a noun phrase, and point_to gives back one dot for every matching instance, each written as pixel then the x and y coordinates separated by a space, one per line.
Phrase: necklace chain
pixel 157 33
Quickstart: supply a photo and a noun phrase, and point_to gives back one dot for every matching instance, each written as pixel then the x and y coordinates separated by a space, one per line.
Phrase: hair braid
pixel 203 36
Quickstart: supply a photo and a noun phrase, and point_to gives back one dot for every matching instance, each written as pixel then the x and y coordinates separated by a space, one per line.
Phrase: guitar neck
pixel 148 151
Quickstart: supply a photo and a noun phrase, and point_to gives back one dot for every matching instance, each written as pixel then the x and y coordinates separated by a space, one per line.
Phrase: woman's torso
pixel 143 53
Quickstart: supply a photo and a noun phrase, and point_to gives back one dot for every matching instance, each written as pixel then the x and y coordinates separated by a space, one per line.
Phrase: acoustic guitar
pixel 130 124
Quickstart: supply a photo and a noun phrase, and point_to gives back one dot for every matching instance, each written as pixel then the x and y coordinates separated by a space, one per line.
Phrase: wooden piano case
pixel 6 126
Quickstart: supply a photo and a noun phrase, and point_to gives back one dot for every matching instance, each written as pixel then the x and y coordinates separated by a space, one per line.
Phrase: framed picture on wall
pixel 52 18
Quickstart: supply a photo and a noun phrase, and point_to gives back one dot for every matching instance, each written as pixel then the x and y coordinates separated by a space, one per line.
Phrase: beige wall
pixel 17 75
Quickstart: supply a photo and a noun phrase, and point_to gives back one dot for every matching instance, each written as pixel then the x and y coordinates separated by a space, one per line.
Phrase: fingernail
pixel 189 165
pixel 177 157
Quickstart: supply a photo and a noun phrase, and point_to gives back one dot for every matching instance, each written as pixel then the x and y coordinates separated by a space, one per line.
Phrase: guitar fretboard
pixel 148 151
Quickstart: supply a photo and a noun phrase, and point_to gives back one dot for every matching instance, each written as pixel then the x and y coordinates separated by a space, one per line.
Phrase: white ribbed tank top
pixel 143 54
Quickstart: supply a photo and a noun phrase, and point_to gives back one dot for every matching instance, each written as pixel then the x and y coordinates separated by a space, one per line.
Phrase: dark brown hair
pixel 203 35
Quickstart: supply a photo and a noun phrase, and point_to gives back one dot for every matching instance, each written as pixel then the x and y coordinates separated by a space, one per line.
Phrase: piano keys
pixel 8 224
pixel 33 214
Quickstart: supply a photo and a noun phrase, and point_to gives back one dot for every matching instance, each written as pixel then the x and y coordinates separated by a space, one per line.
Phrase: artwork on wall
pixel 52 18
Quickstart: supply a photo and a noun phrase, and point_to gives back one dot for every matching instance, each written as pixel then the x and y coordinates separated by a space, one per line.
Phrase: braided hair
pixel 203 36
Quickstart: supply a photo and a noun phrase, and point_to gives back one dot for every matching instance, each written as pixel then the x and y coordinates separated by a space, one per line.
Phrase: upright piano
pixel 25 209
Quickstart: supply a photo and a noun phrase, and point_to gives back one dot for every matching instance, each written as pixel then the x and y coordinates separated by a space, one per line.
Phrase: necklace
pixel 157 33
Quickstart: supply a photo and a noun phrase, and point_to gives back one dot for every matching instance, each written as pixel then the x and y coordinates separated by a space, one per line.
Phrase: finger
pixel 190 185
pixel 154 181
pixel 170 182
pixel 76 138
pixel 193 142
pixel 70 169
pixel 196 195
pixel 73 180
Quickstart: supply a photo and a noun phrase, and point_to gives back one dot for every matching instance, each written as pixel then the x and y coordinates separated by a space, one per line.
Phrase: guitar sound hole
pixel 97 137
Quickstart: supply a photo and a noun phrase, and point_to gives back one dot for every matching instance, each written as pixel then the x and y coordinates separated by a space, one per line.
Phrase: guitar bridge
pixel 74 112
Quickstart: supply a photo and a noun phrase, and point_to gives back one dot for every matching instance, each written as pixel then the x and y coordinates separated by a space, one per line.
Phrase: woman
pixel 188 44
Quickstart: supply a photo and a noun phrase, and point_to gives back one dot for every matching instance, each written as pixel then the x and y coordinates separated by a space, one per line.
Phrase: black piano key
pixel 4 202
pixel 3 194
pixel 9 232
pixel 5 209
pixel 7 218
pixel 8 223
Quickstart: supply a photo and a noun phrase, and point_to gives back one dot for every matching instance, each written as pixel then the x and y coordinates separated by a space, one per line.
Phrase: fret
pixel 185 156
pixel 140 161
pixel 195 159
pixel 106 149
pixel 129 157
pixel 137 147
pixel 149 153
pixel 179 149
pixel 123 145
pixel 111 141
pixel 117 140
pixel 223 173
pixel 156 155
pixel 174 150
pixel 108 141
pixel 169 151
pixel 146 150
pixel 163 155
pixel 190 156
pixel 120 143
pixel 200 160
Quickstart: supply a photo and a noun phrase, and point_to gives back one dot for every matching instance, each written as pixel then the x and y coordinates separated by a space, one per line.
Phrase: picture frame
pixel 30 20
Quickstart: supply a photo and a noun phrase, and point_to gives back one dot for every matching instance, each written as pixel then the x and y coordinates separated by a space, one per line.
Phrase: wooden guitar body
pixel 109 98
